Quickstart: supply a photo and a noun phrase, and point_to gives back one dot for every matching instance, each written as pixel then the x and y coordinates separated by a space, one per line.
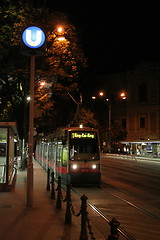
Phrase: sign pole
pixel 34 43
pixel 31 128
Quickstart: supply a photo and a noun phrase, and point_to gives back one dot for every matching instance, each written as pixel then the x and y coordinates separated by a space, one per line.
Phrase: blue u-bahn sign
pixel 33 37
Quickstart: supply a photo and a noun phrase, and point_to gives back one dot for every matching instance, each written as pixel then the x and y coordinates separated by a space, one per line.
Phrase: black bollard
pixel 68 215
pixel 52 186
pixel 48 180
pixel 114 224
pixel 83 233
pixel 59 201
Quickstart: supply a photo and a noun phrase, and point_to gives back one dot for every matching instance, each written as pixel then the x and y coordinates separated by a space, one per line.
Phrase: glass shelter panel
pixel 10 153
pixel 3 154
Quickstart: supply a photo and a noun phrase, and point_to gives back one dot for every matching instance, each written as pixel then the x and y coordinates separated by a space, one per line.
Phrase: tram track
pixel 121 231
pixel 117 194
pixel 157 218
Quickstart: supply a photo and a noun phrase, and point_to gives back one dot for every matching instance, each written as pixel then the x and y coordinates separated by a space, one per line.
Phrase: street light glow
pixel 101 94
pixel 61 38
pixel 93 97
pixel 42 83
pixel 123 95
pixel 59 29
pixel 28 98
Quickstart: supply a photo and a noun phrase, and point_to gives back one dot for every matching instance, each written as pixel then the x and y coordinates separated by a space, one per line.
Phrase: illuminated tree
pixel 60 67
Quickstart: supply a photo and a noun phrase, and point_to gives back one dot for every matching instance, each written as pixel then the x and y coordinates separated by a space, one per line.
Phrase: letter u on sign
pixel 33 37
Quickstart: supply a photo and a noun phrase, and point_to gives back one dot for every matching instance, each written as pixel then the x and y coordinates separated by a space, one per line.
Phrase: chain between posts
pixel 85 221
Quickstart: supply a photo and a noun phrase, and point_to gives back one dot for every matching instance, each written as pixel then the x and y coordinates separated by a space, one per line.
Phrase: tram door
pixel 59 161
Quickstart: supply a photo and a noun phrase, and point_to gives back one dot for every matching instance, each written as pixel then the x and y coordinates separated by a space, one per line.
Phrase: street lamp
pixel 109 103
pixel 101 94
pixel 123 95
pixel 60 34
pixel 59 29
pixel 42 84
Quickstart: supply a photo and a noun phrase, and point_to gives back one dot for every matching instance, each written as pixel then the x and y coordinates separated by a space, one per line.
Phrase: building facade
pixel 139 113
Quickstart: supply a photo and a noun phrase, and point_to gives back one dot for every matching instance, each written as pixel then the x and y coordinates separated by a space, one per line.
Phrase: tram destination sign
pixel 84 135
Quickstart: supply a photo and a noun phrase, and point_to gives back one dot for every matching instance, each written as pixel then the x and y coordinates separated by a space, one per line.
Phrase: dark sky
pixel 115 37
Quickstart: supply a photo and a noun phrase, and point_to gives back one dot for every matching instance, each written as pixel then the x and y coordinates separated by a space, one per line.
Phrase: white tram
pixel 72 153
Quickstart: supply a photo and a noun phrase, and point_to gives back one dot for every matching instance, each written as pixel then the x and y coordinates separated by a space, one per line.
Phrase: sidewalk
pixel 42 222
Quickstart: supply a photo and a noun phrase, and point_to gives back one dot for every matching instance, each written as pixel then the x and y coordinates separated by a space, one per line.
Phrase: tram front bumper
pixel 84 179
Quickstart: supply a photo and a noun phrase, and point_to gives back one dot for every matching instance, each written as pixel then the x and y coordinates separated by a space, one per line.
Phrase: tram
pixel 72 153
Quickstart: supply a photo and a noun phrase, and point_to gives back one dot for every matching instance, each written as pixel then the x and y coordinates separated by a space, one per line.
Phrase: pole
pixel 109 129
pixel 31 123
pixel 83 233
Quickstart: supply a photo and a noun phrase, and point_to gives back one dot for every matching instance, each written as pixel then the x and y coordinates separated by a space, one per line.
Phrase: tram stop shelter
pixel 143 148
pixel 8 146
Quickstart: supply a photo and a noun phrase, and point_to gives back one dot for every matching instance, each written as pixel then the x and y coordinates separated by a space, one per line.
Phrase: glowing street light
pixel 101 94
pixel 93 97
pixel 60 36
pixel 28 98
pixel 42 84
pixel 59 29
pixel 123 95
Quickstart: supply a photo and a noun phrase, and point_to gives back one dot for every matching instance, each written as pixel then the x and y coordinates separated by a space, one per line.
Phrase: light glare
pixel 74 166
pixel 94 166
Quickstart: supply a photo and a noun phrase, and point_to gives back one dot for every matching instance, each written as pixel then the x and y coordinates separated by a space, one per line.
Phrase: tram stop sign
pixel 33 41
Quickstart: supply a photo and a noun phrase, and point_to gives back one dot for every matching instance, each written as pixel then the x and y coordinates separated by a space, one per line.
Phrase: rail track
pixel 123 200
pixel 132 204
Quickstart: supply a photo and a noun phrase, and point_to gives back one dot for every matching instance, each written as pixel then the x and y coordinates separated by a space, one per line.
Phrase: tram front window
pixel 84 148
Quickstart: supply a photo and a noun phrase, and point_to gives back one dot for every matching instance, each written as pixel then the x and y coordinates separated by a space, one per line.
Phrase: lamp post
pixel 109 123
pixel 109 101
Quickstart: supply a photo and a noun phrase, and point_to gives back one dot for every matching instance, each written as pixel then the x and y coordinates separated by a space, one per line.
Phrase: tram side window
pixel 64 156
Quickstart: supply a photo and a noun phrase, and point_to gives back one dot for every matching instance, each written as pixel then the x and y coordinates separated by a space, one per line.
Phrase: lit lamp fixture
pixel 123 95
pixel 93 97
pixel 60 29
pixel 60 37
pixel 28 98
pixel 101 94
pixel 42 83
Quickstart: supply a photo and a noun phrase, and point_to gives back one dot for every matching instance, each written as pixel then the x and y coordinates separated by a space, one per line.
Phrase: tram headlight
pixel 74 166
pixel 94 166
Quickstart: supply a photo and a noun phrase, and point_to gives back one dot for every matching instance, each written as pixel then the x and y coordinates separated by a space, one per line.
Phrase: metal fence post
pixel 48 180
pixel 114 224
pixel 52 186
pixel 83 233
pixel 59 202
pixel 68 215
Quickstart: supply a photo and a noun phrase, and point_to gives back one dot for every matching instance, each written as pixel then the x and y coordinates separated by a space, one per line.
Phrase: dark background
pixel 115 37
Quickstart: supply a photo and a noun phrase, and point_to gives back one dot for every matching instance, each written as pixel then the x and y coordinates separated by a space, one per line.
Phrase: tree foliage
pixel 87 118
pixel 117 134
pixel 60 67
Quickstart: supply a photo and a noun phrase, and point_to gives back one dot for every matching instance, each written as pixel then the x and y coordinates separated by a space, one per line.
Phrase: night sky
pixel 114 37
